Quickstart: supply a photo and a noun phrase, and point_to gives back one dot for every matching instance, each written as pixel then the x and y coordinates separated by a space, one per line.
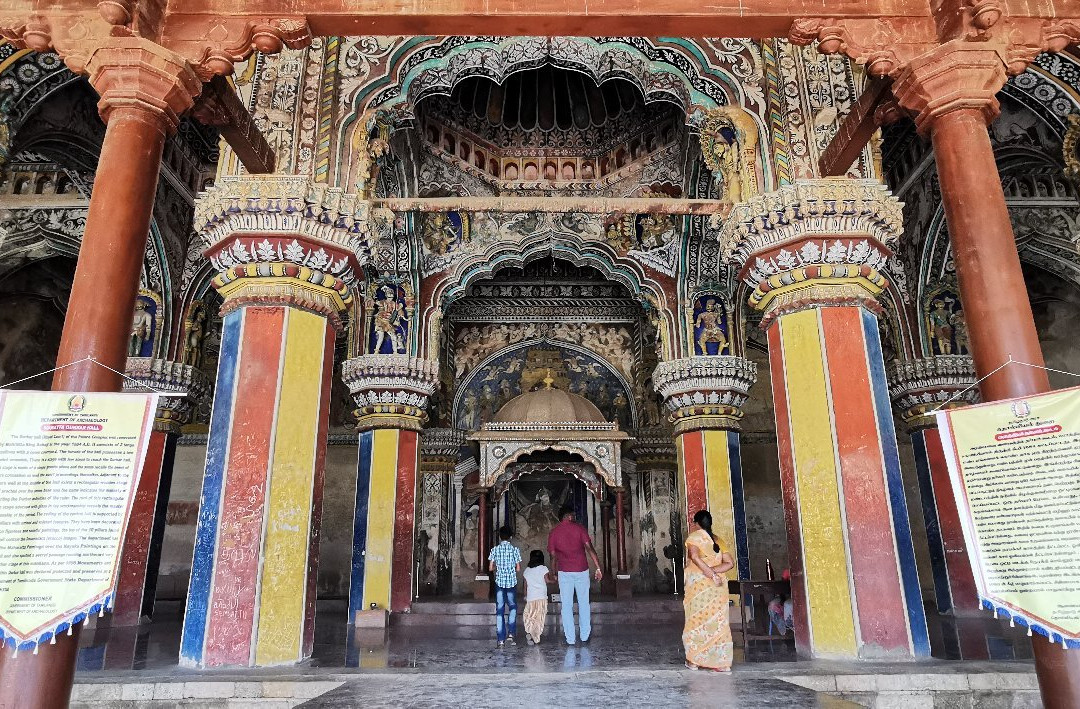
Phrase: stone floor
pixel 635 662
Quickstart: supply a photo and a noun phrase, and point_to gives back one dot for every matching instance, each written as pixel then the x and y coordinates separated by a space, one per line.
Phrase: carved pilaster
pixel 391 391
pixel 919 387
pixel 439 450
pixel 706 391
pixel 169 377
pixel 654 449
pixel 813 243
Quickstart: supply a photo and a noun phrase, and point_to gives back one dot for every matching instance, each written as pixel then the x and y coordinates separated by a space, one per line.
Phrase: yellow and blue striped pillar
pixel 811 252
pixel 705 395
pixel 391 392
pixel 251 597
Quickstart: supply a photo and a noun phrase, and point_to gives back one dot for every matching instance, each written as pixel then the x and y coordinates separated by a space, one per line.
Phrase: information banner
pixel 1015 468
pixel 69 468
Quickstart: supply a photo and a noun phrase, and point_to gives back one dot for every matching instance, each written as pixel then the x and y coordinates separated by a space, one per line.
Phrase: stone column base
pixel 481 587
pixel 375 618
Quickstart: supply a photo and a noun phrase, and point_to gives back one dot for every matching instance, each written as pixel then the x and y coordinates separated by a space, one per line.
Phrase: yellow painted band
pixel 288 517
pixel 718 488
pixel 824 552
pixel 760 300
pixel 378 554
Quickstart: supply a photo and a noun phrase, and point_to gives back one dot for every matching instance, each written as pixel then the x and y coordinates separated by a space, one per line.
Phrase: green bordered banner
pixel 1015 469
pixel 69 467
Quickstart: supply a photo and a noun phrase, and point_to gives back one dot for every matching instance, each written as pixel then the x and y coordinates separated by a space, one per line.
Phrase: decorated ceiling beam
pixel 219 106
pixel 875 108
pixel 214 34
pixel 556 205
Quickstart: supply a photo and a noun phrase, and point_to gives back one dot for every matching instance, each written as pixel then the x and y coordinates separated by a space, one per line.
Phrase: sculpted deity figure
pixel 141 327
pixel 711 332
pixel 960 329
pixel 390 320
pixel 195 332
pixel 941 329
pixel 729 140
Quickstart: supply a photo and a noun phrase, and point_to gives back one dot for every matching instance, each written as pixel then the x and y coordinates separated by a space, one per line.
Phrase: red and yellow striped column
pixel 391 393
pixel 705 395
pixel 811 251
pixel 251 597
pixel 919 387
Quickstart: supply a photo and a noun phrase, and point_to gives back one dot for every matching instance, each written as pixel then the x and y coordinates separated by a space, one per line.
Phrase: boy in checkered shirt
pixel 505 561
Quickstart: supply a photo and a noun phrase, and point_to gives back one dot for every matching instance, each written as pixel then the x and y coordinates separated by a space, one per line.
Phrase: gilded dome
pixel 547 405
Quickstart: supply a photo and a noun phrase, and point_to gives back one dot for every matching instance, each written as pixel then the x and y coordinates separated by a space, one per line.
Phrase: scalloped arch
pixel 602 470
pixel 426 66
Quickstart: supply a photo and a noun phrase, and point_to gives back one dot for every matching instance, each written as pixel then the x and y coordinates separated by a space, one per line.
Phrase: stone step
pixel 599 607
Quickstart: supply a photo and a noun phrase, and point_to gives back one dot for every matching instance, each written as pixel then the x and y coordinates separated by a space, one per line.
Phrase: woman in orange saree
pixel 706 634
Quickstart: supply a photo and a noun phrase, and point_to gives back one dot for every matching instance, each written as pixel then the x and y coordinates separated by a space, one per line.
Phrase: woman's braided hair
pixel 704 520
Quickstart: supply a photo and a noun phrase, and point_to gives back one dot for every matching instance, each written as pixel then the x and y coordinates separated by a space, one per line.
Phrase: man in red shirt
pixel 568 544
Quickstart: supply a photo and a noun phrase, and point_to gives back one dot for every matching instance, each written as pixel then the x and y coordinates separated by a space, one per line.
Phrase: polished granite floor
pixel 636 644
pixel 636 663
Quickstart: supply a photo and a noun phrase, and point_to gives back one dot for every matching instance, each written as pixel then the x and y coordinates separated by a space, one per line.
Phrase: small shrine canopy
pixel 550 419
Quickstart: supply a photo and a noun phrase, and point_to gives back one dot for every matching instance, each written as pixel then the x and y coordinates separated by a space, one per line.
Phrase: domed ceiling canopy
pixel 549 405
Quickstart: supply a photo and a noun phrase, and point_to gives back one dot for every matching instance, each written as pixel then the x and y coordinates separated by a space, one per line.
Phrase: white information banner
pixel 1015 469
pixel 69 467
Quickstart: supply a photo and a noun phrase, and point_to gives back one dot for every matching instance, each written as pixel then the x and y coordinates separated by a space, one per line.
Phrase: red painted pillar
pixel 131 581
pixel 137 579
pixel 482 533
pixel 143 89
pixel 620 531
pixel 951 91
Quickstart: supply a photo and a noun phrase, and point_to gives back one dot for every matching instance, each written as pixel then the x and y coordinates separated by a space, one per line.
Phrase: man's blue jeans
pixel 505 597
pixel 575 583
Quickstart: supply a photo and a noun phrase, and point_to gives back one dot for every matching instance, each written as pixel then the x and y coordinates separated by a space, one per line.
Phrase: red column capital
pixel 955 75
pixel 135 73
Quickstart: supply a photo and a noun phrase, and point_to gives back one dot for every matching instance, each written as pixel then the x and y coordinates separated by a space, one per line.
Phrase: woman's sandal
pixel 691 665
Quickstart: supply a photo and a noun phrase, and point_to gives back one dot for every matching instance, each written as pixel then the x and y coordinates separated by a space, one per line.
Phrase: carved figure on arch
pixel 710 326
pixel 946 328
pixel 390 320
pixel 144 326
pixel 195 331
pixel 729 141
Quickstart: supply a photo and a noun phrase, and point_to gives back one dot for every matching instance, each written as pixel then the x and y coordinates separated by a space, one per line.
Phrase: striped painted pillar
pixel 251 597
pixel 391 393
pixel 705 395
pixel 919 387
pixel 810 251
pixel 137 579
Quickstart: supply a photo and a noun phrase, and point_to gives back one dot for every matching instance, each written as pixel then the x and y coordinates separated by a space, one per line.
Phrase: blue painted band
pixel 738 503
pixel 905 547
pixel 933 528
pixel 217 448
pixel 360 522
